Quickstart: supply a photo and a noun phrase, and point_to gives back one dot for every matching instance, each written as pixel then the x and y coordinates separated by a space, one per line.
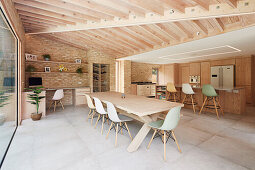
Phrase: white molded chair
pixel 92 108
pixel 167 126
pixel 117 121
pixel 58 96
pixel 189 96
pixel 102 114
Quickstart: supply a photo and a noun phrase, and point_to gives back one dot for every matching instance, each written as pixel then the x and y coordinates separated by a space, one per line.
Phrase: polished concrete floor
pixel 64 140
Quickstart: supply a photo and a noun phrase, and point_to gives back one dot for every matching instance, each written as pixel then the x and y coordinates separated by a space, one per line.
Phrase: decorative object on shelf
pixel 3 101
pixel 123 96
pixel 47 69
pixel 35 99
pixel 46 57
pixel 30 68
pixel 61 68
pixel 31 57
pixel 79 70
pixel 78 61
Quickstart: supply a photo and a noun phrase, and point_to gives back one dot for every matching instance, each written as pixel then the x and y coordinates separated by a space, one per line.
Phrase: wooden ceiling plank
pixel 44 12
pixel 199 26
pixel 232 3
pixel 40 20
pixel 111 34
pixel 174 5
pixel 183 29
pixel 38 16
pixel 147 5
pixel 202 4
pixel 167 29
pixel 218 23
pixel 78 17
pixel 133 35
pixel 97 7
pixel 77 8
pixel 157 32
pixel 37 22
pixel 154 35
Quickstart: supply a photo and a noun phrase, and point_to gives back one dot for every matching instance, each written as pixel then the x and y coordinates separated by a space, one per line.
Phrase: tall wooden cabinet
pixel 101 77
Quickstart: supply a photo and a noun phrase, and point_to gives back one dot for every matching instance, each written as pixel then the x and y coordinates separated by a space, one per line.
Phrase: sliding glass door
pixel 8 85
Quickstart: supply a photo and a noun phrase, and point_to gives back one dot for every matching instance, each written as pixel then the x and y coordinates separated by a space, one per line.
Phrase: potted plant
pixel 46 57
pixel 35 99
pixel 30 68
pixel 3 102
pixel 79 70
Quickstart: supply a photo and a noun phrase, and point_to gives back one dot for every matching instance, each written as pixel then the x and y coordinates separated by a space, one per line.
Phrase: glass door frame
pixel 16 80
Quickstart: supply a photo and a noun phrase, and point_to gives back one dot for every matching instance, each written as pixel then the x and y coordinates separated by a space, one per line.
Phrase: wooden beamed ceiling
pixel 126 27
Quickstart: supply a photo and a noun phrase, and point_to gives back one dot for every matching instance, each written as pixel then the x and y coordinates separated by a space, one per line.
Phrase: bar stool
pixel 189 96
pixel 171 91
pixel 211 95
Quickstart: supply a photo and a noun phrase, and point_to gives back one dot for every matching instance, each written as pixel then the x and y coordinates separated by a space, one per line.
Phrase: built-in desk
pixel 72 96
pixel 232 100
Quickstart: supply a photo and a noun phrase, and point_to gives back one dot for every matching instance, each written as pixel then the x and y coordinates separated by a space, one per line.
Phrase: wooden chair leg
pixel 155 131
pixel 184 99
pixel 220 106
pixel 174 97
pixel 192 100
pixel 176 142
pixel 109 130
pixel 62 104
pixel 164 145
pixel 89 114
pixel 203 105
pixel 102 125
pixel 128 131
pixel 121 131
pixel 216 107
pixel 92 116
pixel 97 120
pixel 116 135
pixel 55 105
pixel 108 120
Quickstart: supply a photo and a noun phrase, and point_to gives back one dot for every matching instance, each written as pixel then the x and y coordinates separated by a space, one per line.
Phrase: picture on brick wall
pixel 77 60
pixel 47 69
pixel 31 57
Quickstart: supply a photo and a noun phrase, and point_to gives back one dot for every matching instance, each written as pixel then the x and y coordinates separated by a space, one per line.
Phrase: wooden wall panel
pixel 169 73
pixel 194 69
pixel 205 73
pixel 185 74
pixel 224 62
pixel 161 74
pixel 253 79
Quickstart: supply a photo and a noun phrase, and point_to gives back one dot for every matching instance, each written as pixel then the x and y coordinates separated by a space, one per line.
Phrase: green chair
pixel 165 128
pixel 211 95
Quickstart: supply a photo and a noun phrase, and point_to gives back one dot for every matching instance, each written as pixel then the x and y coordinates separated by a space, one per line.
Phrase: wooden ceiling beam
pixel 152 34
pixel 172 4
pixel 98 7
pixel 167 29
pixel 40 20
pixel 157 32
pixel 134 36
pixel 232 3
pixel 203 4
pixel 77 17
pixel 199 26
pixel 38 16
pixel 217 23
pixel 46 13
pixel 157 9
pixel 77 8
pixel 183 29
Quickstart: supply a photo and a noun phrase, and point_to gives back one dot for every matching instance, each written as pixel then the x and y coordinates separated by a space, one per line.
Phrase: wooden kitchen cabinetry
pixel 146 90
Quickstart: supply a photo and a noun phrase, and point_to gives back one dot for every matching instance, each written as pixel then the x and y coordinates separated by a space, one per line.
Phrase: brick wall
pixel 142 71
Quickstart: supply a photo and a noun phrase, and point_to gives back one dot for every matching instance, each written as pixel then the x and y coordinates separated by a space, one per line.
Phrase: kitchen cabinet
pixel 146 90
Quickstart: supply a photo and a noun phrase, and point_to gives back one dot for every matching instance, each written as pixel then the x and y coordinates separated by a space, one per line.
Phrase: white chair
pixel 189 96
pixel 58 96
pixel 92 108
pixel 117 121
pixel 102 114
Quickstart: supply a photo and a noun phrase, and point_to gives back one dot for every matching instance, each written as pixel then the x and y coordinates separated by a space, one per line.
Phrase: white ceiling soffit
pixel 235 43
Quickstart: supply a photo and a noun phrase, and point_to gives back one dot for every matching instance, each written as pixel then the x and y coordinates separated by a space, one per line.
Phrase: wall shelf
pixel 55 62
pixel 54 73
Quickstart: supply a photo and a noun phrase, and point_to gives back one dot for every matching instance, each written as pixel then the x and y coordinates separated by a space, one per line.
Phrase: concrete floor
pixel 64 140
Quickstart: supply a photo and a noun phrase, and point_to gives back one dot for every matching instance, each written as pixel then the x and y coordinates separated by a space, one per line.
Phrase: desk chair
pixel 57 98
pixel 167 126
pixel 102 114
pixel 211 95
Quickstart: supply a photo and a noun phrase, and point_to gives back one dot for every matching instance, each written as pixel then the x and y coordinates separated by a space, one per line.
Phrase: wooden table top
pixel 138 105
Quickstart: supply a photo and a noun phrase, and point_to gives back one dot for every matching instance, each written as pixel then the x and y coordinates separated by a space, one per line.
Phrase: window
pixel 154 78
pixel 8 85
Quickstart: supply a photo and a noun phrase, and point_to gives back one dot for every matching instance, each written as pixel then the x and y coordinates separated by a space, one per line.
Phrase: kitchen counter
pixel 232 100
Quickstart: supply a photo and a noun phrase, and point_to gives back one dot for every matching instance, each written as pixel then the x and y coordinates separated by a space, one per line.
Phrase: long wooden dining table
pixel 140 108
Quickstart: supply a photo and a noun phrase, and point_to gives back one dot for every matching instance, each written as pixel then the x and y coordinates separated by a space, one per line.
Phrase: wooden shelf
pixel 55 62
pixel 55 72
